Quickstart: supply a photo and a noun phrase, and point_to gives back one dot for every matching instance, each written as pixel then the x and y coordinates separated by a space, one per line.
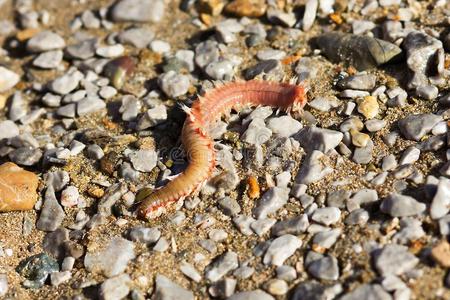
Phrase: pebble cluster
pixel 349 199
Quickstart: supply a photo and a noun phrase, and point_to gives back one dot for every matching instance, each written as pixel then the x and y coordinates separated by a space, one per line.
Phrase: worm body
pixel 200 147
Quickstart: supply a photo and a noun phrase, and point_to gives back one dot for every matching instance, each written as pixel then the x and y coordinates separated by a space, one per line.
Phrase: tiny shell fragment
pixel 17 188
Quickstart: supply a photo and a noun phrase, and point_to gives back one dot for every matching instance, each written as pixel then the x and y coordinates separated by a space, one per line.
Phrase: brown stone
pixel 17 188
pixel 247 8
pixel 210 7
pixel 441 253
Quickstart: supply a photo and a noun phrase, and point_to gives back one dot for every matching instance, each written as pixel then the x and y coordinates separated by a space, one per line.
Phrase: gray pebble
pixel 251 295
pixel 25 156
pixel 364 196
pixel 294 226
pixel 119 250
pixel 281 249
pixel 229 206
pixel 45 41
pixel 159 46
pixel 162 245
pixel 206 52
pixel 67 263
pixel 48 60
pixel 267 54
pixel 276 287
pixel 397 97
pixel 218 235
pixel 82 50
pixel 357 217
pixel 165 289
pixel 271 201
pixel 398 205
pixel 368 291
pixel 58 180
pixel 326 239
pixel 244 272
pixel 223 288
pixel 17 105
pixel 68 110
pixel 277 16
pixel 323 103
pixel 414 127
pixel 440 204
pixel 257 133
pixel 243 223
pixel 261 226
pixel 338 198
pixel 52 213
pixel 54 241
pixel 66 83
pixel 107 92
pixel 313 169
pixel 363 155
pixel 152 117
pixel 410 230
pixel 90 105
pixel 117 287
pixel 189 271
pixel 314 138
pixel 428 92
pixel 325 268
pixel 409 156
pixel 144 160
pixel 56 278
pixel 144 234
pixel 8 129
pixel 444 225
pixel 94 151
pixel 265 66
pixel 187 57
pixel 327 215
pixel 353 94
pixel 173 84
pixel 284 126
pixel 51 100
pixel 286 273
pixel 110 51
pixel 138 11
pixel 221 266
pixel 220 70
pixel 375 125
pixel 364 82
pixel 395 260
pixel 310 14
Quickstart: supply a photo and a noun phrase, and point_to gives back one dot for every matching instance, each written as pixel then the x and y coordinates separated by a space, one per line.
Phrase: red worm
pixel 200 147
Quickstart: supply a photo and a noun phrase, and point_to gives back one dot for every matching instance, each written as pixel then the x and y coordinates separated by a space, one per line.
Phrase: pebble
pixel 206 52
pixel 276 287
pixel 357 217
pixel 57 278
pixel 138 11
pixel 427 92
pixel 90 105
pixel 187 57
pixel 324 103
pixel 398 205
pixel 277 16
pixel 17 107
pixel 363 155
pixel 83 50
pixel 190 272
pixel 144 160
pixel 68 263
pixel 441 253
pixel 314 138
pixel 152 117
pixel 325 268
pixel 221 266
pixel 313 169
pixel 48 60
pixel 220 70
pixel 70 196
pixel 66 83
pixel 294 226
pixel 359 139
pixel 267 54
pixel 257 133
pixel 36 269
pixel 281 249
pixel 284 126
pixel 363 82
pixel 243 223
pixel 271 201
pixel 369 107
pixel 139 37
pixel 119 250
pixel 173 84
pixel 8 79
pixel 208 245
pixel 310 14
pixel 326 215
pixel 415 127
pixel 160 47
pixel 110 51
pixel 375 125
pixel 3 285
pixel 58 179
pixel 8 129
pixel 265 66
pixel 353 94
pixel 94 151
pixel 52 214
pixel 223 288
pixel 229 206
pixel 51 100
pixel 117 287
pixel 144 235
pixel 326 239
pixel 261 226
pixel 440 205
pixel 45 41
pixel 251 295
pixel 409 156
pixel 368 291
pixel 246 8
pixel 89 20
pixel 286 273
pixel 395 260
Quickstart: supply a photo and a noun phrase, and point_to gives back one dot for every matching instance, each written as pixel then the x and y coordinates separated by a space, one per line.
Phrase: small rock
pixel 441 253
pixel 415 127
pixel 314 138
pixel 138 11
pixel 223 288
pixel 440 204
pixel 116 287
pixel 398 205
pixel 144 235
pixel 221 266
pixel 325 268
pixel 284 126
pixel 48 60
pixel 395 259
pixel 3 285
pixel 52 214
pixel 251 295
pixel 294 226
pixel 57 278
pixel 82 50
pixel 313 168
pixel 66 83
pixel 368 291
pixel 36 269
pixel 364 82
pixel 110 51
pixel 45 41
pixel 369 107
pixel 281 249
pixel 152 117
pixel 326 239
pixel 69 196
pixel 310 14
pixel 8 79
pixel 173 84
pixel 271 201
pixel 326 215
pixel 144 160
pixel 138 37
pixel 246 8
pixel 90 105
pixel 276 287
pixel 363 155
pixel 190 272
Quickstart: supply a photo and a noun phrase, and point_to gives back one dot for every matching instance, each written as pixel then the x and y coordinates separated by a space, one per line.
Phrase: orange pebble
pixel 254 190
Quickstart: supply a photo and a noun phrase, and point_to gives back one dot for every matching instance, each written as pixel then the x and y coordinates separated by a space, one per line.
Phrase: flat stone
pixel 441 253
pixel 138 11
pixel 326 215
pixel 144 160
pixel 415 127
pixel 52 214
pixel 271 201
pixel 221 266
pixel 398 205
pixel 190 272
pixel 173 84
pixel 57 278
pixel 90 105
pixel 112 260
pixel 8 79
pixel 313 168
pixel 48 60
pixel 314 138
pixel 117 287
pixel 310 14
pixel 294 226
pixel 82 50
pixel 277 287
pixel 251 295
pixel 36 269
pixel 325 268
pixel 368 291
pixel 364 82
pixel 152 117
pixel 395 259
pixel 66 83
pixel 284 126
pixel 440 204
pixel 257 133
pixel 363 155
pixel 281 249
pixel 45 41
pixel 326 239
pixel 17 188
pixel 139 37
pixel 3 285
pixel 144 234
pixel 54 241
pixel 8 129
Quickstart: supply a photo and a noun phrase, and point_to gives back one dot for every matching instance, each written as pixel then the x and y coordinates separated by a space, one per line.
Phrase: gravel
pixel 167 289
pixel 281 249
pixel 138 11
pixel 401 206
pixel 45 41
pixel 395 260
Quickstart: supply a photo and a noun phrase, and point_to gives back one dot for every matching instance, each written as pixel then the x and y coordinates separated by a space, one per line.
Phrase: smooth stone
pixel 440 205
pixel 326 215
pixel 48 60
pixel 271 201
pixel 281 249
pixel 415 127
pixel 173 84
pixel 117 287
pixel 90 105
pixel 3 285
pixel 310 14
pixel 251 295
pixel 363 155
pixel 326 239
pixel 395 260
pixel 52 214
pixel 160 47
pixel 313 168
pixel 276 287
pixel 265 66
pixel 364 82
pixel 368 291
pixel 398 205
pixel 144 234
pixel 8 129
pixel 45 41
pixel 325 268
pixel 257 133
pixel 166 289
pixel 8 79
pixel 17 189
pixel 314 138
pixel 261 226
pixel 36 269
pixel 110 51
pixel 294 226
pixel 221 266
pixel 144 160
pixel 284 126
pixel 152 117
pixel 53 242
pixel 375 125
pixel 139 37
pixel 189 271
pixel 83 50
pixel 66 83
pixel 220 70
pixel 112 260
pixel 56 278
pixel 206 52
pixel 138 11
